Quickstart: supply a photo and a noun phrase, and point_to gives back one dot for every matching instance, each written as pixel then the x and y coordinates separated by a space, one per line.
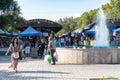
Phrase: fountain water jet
pixel 101 31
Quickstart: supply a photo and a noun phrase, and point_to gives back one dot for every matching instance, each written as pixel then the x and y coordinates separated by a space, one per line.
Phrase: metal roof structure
pixel 40 25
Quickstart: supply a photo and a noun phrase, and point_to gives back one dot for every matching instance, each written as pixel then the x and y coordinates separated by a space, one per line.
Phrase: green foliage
pixel 103 78
pixel 113 10
pixel 70 24
pixel 5 4
pixel 8 22
pixel 10 16
pixel 117 7
pixel 109 78
pixel 87 18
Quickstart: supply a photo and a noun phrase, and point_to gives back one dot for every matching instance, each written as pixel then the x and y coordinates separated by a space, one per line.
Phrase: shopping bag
pixel 56 56
pixel 48 58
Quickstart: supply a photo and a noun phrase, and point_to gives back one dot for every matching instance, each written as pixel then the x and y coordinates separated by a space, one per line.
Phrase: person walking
pixel 14 48
pixel 52 49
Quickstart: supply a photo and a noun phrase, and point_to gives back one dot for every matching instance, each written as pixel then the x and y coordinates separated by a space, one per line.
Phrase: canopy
pixel 13 34
pixel 91 31
pixel 30 32
pixel 2 32
pixel 7 33
pixel 116 30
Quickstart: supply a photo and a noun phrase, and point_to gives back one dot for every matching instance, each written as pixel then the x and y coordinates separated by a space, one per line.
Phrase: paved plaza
pixel 37 69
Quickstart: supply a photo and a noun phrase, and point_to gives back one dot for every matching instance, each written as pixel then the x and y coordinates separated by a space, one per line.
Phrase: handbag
pixel 16 55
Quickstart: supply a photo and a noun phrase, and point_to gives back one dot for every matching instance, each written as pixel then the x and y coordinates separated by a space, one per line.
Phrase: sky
pixel 56 9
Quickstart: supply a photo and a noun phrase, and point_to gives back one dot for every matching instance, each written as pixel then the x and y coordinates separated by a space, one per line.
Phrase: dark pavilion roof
pixel 40 25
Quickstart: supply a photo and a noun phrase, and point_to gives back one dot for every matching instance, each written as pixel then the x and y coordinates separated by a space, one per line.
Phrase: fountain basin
pixel 88 56
pixel 100 47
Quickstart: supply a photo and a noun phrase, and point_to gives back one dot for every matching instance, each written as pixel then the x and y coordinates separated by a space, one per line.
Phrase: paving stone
pixel 37 69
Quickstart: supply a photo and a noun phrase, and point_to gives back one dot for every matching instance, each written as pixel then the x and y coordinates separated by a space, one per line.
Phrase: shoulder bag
pixel 16 55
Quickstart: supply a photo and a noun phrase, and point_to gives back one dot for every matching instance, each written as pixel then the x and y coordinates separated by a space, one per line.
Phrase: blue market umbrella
pixel 116 30
pixel 30 32
pixel 91 31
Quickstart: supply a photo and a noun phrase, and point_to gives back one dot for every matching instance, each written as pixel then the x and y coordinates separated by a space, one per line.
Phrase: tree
pixel 117 7
pixel 113 10
pixel 69 24
pixel 5 5
pixel 87 18
pixel 11 16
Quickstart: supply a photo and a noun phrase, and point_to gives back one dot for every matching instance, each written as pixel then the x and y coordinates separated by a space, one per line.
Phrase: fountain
pixel 101 31
pixel 99 54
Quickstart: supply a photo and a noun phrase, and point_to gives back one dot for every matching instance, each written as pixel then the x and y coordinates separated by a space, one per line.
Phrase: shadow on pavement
pixel 44 72
pixel 5 75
